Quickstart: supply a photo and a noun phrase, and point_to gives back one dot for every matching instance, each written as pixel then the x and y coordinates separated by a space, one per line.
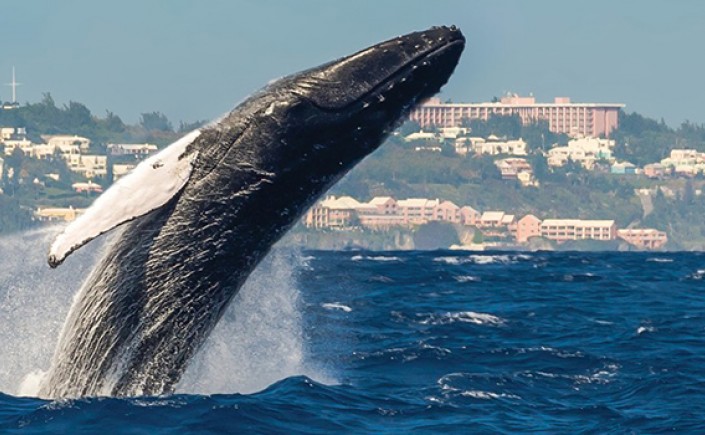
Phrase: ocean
pixel 396 342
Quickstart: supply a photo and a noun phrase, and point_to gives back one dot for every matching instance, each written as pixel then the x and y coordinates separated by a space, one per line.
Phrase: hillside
pixel 396 169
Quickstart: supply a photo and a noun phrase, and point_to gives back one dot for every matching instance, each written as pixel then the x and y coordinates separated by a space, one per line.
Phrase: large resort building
pixel 574 119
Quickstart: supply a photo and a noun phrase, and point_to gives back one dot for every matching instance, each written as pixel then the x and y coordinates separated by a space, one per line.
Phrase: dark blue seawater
pixel 456 342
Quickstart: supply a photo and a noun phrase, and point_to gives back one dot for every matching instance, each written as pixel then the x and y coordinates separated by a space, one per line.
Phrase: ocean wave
pixel 642 329
pixel 467 278
pixel 602 322
pixel 418 351
pixel 560 353
pixel 697 275
pixel 374 258
pixel 480 259
pixel 659 260
pixel 336 306
pixel 580 277
pixel 602 375
pixel 305 262
pixel 487 395
pixel 474 385
pixel 460 316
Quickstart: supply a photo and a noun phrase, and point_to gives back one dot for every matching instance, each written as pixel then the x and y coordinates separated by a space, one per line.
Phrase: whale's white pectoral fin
pixel 148 187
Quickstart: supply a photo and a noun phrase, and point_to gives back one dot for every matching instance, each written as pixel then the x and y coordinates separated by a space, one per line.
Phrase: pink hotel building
pixel 586 119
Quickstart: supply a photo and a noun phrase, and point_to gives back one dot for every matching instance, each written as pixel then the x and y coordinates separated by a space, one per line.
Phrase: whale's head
pixel 280 149
pixel 337 113
pixel 392 75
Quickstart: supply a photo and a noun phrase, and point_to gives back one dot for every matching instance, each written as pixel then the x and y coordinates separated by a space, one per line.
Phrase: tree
pixel 540 166
pixel 185 127
pixel 113 122
pixel 155 121
pixel 409 127
pixel 488 170
pixel 688 192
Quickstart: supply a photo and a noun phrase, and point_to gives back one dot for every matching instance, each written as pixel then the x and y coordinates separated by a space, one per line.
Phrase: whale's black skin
pixel 168 276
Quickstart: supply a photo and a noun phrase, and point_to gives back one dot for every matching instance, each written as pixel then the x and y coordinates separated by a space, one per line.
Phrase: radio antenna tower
pixel 14 85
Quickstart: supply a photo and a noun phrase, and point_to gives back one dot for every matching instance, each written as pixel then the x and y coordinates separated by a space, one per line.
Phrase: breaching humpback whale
pixel 198 217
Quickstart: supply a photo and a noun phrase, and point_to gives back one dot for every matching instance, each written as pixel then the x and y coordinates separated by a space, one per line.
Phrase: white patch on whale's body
pixel 149 186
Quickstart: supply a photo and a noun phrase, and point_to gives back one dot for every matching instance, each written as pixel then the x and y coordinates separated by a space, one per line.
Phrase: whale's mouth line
pixel 423 60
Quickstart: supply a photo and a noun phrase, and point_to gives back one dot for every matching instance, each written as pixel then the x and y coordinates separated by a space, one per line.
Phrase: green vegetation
pixel 45 117
pixel 435 235
pixel 475 181
pixel 26 182
pixel 566 192
pixel 397 170
pixel 642 140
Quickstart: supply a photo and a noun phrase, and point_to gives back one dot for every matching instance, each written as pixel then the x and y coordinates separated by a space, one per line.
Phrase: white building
pixel 493 146
pixel 62 140
pixel 14 138
pixel 685 162
pixel 8 133
pixel 88 165
pixel 584 150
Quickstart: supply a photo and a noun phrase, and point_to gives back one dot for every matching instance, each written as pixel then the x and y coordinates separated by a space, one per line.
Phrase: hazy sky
pixel 195 60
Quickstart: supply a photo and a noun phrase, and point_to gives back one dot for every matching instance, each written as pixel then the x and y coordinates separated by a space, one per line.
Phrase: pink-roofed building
pixel 447 211
pixel 491 219
pixel 527 227
pixel 384 205
pixel 645 238
pixel 657 170
pixel 333 212
pixel 562 230
pixel 417 210
pixel 509 222
pixel 469 216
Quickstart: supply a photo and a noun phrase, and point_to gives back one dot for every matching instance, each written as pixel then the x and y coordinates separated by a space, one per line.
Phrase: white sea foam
pixel 660 260
pixel 259 341
pixel 643 329
pixel 697 275
pixel 456 384
pixel 463 317
pixel 490 259
pixel 453 261
pixel 487 395
pixel 374 258
pixel 601 376
pixel 336 306
pixel 602 322
pixel 34 302
pixel 482 259
pixel 467 278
